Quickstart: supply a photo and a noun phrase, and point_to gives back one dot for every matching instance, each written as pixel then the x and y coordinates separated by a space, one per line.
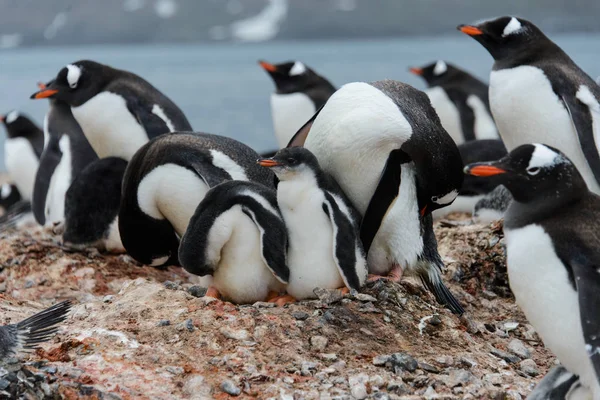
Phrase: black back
pixel 23 126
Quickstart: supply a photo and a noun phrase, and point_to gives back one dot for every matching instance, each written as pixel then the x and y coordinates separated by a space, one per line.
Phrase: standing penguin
pixel 538 94
pixel 299 93
pixel 384 144
pixel 460 100
pixel 9 196
pixel 117 110
pixel 238 236
pixel 166 180
pixel 66 153
pixel 323 227
pixel 553 253
pixel 22 150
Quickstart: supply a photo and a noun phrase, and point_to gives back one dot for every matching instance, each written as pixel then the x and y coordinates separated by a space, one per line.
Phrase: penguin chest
pixel 398 240
pixel 484 128
pixel 109 126
pixel 59 184
pixel 241 274
pixel 290 112
pixel 310 238
pixel 21 164
pixel 540 283
pixel 447 111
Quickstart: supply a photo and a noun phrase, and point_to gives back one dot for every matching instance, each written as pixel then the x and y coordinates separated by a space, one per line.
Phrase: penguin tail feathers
pixel 432 281
pixel 13 214
pixel 40 327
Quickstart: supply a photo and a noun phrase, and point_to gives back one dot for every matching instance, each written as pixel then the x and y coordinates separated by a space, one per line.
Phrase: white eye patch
pixel 440 68
pixel 6 191
pixel 73 75
pixel 543 156
pixel 297 69
pixel 12 117
pixel 512 27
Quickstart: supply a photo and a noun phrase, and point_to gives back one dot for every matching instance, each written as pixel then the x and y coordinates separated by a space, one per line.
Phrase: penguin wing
pixel 300 137
pixel 583 109
pixel 153 124
pixel 273 239
pixel 467 115
pixel 385 193
pixel 49 160
pixel 345 240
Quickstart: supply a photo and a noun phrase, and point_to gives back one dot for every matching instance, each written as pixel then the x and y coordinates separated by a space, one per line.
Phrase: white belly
pixel 485 128
pixel 448 113
pixel 310 251
pixel 398 240
pixel 109 126
pixel 59 184
pixel 526 110
pixel 171 192
pixel 541 287
pixel 112 243
pixel 290 112
pixel 21 164
pixel 241 275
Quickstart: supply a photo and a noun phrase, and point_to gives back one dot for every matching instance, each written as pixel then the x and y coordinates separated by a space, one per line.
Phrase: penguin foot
pixel 213 292
pixel 271 295
pixel 395 275
pixel 280 301
pixel 344 290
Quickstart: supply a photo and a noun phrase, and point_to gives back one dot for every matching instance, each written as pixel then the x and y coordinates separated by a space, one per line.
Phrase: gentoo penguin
pixel 166 180
pixel 117 110
pixel 9 196
pixel 559 384
pixel 385 146
pixel 538 94
pixel 66 153
pixel 92 207
pixel 323 226
pixel 299 93
pixel 238 236
pixel 474 188
pixel 22 150
pixel 552 248
pixel 460 100
pixel 29 333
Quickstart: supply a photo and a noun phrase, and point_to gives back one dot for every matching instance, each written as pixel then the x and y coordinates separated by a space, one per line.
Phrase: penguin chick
pixel 27 334
pixel 237 235
pixel 323 227
pixel 553 257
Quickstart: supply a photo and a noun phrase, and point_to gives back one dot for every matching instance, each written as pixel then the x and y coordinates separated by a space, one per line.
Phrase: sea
pixel 222 89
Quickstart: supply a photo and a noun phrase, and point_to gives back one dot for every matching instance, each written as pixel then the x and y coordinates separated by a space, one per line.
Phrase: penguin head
pixel 18 125
pixel 76 83
pixel 291 76
pixel 436 73
pixel 504 36
pixel 292 163
pixel 533 171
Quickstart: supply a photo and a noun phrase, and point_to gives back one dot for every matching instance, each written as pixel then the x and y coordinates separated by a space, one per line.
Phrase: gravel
pixel 518 348
pixel 230 388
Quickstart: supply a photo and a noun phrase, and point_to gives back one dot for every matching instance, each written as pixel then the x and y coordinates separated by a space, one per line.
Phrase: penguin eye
pixel 291 161
pixel 533 170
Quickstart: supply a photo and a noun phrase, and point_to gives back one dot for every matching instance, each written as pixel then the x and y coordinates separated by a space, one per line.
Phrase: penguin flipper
pixel 143 113
pixel 49 160
pixel 345 241
pixel 466 113
pixel 385 193
pixel 582 117
pixel 300 137
pixel 555 385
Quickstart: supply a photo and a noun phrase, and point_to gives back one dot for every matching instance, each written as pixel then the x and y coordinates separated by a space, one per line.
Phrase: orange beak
pixel 416 71
pixel 267 67
pixel 41 85
pixel 2 118
pixel 44 94
pixel 267 162
pixel 484 170
pixel 470 30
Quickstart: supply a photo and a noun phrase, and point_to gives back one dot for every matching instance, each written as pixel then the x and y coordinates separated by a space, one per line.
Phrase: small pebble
pixel 174 370
pixel 401 361
pixel 239 334
pixel 263 304
pixel 428 367
pixel 358 387
pixel 510 358
pixel 300 315
pixel 108 298
pixel 518 348
pixel 230 388
pixel 4 384
pixel 529 367
pixel 164 322
pixel 197 291
pixel 318 343
pixel 467 362
pixel 171 285
pixel 328 296
pixel 329 357
pixel 51 369
pixel 459 377
pixel 365 297
pixel 381 396
pixel 29 284
pixel 189 324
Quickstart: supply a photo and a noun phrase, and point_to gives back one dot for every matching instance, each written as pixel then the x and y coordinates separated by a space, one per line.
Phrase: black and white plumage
pixel 553 258
pixel 166 180
pixel 66 153
pixel 29 333
pixel 474 190
pixel 538 94
pixel 92 207
pixel 384 144
pixel 460 100
pixel 299 93
pixel 323 227
pixel 559 384
pixel 117 110
pixel 22 150
pixel 237 235
pixel 9 196
pixel 492 206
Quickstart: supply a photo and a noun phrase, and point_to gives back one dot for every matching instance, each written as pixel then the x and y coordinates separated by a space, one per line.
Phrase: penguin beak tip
pixel 416 71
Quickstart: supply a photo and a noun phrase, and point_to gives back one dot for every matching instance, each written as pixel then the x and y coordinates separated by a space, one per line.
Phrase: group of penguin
pixel 351 194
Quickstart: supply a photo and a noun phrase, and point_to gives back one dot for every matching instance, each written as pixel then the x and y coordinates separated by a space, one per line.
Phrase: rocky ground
pixel 137 332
